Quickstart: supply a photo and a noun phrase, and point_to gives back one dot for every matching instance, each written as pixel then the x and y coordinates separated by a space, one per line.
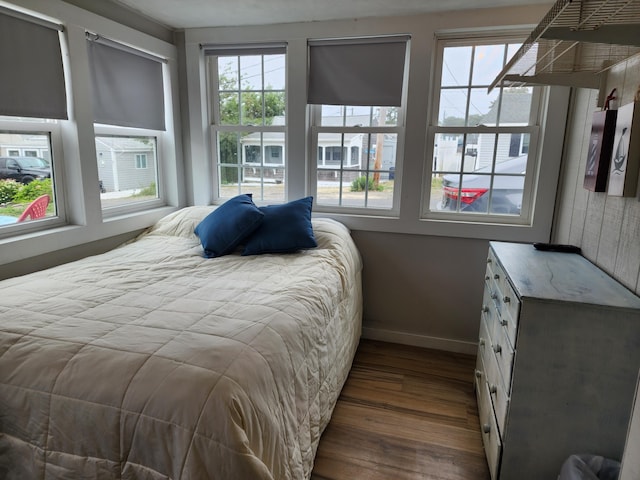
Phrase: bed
pixel 153 362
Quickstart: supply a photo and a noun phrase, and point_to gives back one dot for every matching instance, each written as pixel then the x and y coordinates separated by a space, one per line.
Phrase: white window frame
pixel 317 129
pixel 52 128
pixel 539 99
pixel 216 127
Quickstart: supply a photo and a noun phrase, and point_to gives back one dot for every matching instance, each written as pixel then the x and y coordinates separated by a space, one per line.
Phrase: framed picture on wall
pixel 625 156
pixel 599 153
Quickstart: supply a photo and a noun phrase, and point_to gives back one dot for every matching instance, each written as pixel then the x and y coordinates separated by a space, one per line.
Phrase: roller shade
pixel 244 49
pixel 32 82
pixel 127 87
pixel 366 72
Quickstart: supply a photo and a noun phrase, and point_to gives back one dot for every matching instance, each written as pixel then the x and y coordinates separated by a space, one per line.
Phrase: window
pixel 129 120
pixel 248 120
pixel 31 107
pixel 482 165
pixel 357 121
pixel 124 176
pixel 141 160
pixel 23 178
pixel 357 154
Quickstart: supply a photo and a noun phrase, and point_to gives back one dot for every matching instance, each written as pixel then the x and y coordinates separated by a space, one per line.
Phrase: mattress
pixel 153 362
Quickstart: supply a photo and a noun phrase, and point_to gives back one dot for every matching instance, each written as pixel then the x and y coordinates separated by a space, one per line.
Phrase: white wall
pixel 606 228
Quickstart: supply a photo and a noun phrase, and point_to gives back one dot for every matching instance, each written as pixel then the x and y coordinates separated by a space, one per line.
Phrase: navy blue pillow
pixel 227 226
pixel 285 228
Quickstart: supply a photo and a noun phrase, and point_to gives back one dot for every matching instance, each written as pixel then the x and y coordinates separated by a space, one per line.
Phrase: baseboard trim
pixel 415 340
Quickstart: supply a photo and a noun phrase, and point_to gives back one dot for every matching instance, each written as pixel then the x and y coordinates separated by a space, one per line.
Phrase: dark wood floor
pixel 405 413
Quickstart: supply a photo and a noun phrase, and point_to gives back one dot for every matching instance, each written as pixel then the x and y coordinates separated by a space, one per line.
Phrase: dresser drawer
pixel 509 310
pixel 504 301
pixel 489 312
pixel 504 353
pixel 484 340
pixel 491 258
pixel 495 385
pixel 490 435
pixel 480 373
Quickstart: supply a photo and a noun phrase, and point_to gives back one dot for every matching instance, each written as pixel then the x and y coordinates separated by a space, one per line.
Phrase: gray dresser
pixel 558 360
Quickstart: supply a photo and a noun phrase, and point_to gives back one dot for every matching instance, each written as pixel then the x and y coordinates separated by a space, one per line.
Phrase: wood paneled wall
pixel 606 228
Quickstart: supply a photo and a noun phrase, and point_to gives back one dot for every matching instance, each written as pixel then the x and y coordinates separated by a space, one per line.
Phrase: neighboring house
pixel 514 111
pixel 333 151
pixel 448 150
pixel 479 149
pixel 24 145
pixel 272 151
pixel 125 163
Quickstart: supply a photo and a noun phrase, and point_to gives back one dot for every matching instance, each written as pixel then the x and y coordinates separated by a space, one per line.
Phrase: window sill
pixel 536 232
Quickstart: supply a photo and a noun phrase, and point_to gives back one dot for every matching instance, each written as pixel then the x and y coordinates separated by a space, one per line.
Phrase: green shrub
pixel 363 182
pixel 32 190
pixel 8 190
pixel 149 191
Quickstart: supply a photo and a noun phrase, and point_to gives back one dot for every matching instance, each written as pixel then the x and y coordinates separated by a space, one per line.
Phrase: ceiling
pixel 180 14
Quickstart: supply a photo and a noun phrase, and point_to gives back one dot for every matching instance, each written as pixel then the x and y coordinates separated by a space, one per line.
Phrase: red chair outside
pixel 36 209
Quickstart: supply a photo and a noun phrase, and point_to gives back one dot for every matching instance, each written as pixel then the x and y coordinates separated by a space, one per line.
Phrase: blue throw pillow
pixel 227 226
pixel 285 228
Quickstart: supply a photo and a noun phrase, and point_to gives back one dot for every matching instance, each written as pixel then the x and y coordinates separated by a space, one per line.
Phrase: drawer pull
pixel 485 309
pixel 496 276
pixel 478 374
pixel 488 260
pixel 486 428
pixel 487 277
pixel 493 389
pixel 504 322
pixel 497 348
pixel 494 296
pixel 506 299
pixel 481 342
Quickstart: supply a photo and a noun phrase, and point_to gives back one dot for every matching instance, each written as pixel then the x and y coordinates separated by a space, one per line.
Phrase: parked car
pixel 24 169
pixel 474 194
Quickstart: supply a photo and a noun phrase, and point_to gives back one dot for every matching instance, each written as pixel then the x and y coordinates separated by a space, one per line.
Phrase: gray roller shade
pixel 245 49
pixel 127 87
pixel 357 72
pixel 32 79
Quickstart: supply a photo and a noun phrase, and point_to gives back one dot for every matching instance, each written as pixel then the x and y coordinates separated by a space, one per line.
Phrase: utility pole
pixel 382 117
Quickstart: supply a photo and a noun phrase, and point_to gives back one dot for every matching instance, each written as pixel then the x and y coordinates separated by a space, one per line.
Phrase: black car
pixel 24 169
pixel 474 192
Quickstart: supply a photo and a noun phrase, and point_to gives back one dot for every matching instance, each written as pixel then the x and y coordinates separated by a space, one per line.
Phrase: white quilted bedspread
pixel 152 362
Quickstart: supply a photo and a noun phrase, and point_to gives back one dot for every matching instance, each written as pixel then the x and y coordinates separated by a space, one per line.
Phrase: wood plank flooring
pixel 405 413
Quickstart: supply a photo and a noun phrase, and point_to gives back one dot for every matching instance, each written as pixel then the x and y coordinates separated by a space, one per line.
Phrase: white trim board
pixel 417 340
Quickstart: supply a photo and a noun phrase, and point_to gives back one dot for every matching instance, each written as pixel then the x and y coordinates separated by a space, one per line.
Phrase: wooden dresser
pixel 558 360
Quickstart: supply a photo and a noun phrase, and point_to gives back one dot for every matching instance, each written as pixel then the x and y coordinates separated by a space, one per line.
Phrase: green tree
pixel 474 120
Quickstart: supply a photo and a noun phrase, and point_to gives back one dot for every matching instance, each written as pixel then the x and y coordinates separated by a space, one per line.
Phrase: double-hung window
pixel 248 118
pixel 32 103
pixel 355 93
pixel 129 121
pixel 482 143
